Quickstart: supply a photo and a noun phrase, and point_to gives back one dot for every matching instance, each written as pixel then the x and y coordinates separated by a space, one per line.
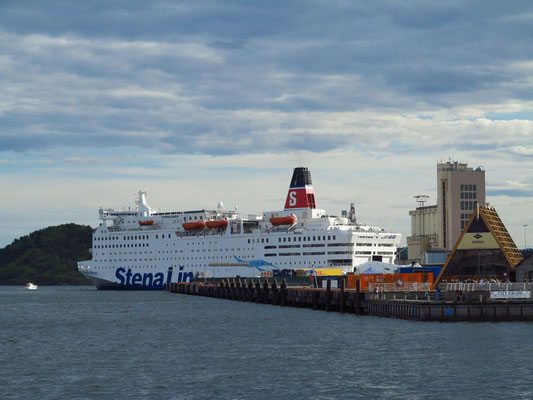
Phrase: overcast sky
pixel 207 101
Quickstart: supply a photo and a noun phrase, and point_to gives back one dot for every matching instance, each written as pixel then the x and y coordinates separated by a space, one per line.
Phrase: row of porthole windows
pixel 102 254
pixel 318 262
pixel 299 238
pixel 134 237
pixel 313 253
pixel 193 218
pixel 169 259
pixel 116 246
pixel 263 240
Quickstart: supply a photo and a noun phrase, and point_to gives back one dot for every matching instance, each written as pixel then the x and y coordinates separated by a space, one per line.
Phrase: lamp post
pixel 525 239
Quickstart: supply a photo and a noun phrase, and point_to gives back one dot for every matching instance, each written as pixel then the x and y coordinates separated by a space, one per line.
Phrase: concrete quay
pixel 420 306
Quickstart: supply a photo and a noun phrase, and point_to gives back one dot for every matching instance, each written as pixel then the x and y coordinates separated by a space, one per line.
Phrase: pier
pixel 420 306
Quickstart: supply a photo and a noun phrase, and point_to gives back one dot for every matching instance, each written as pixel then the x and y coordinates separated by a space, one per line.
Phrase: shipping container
pixel 399 282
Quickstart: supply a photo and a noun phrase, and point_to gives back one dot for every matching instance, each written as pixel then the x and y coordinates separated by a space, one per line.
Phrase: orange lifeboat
pixel 218 224
pixel 288 220
pixel 191 226
pixel 146 222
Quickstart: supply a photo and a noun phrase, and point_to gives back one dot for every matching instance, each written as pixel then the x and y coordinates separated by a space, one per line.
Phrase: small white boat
pixel 31 286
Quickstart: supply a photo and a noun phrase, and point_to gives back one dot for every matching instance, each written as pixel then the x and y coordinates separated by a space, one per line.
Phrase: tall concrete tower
pixel 459 189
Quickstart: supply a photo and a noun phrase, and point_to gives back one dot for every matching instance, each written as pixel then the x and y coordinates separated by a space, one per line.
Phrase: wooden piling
pixel 351 301
pixel 342 297
pixel 283 292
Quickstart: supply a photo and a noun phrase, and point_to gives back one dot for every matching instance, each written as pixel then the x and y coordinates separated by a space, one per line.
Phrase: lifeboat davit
pixel 288 220
pixel 218 224
pixel 146 222
pixel 191 226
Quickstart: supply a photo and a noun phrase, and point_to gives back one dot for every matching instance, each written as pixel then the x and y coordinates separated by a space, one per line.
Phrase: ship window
pixel 262 240
pixel 156 236
pixel 248 240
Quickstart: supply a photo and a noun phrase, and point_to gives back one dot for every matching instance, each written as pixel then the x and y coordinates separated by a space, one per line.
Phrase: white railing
pixel 471 287
pixel 394 287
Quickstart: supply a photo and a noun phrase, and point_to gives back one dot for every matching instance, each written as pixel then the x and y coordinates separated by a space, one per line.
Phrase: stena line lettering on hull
pixel 128 253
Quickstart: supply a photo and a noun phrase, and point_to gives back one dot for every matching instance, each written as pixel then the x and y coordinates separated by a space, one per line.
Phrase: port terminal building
pixel 484 250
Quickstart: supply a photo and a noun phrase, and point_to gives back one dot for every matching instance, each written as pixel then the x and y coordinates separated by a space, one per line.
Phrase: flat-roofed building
pixel 459 189
pixel 436 228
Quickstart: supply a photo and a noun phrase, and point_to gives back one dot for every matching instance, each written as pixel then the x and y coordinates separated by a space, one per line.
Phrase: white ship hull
pixel 143 249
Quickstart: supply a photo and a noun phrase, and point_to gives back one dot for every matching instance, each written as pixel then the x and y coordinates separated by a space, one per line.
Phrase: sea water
pixel 80 343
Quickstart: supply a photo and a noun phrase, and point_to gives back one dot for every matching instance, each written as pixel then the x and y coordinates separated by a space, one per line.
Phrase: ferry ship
pixel 141 248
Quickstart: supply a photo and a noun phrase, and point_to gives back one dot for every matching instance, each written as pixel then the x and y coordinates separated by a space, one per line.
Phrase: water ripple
pixel 79 343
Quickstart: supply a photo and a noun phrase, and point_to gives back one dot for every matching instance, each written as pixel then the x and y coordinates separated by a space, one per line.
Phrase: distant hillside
pixel 47 256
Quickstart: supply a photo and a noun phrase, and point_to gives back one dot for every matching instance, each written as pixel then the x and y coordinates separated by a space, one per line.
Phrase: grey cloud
pixel 183 77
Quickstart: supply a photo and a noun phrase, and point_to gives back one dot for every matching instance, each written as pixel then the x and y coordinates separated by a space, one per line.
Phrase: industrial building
pixel 436 228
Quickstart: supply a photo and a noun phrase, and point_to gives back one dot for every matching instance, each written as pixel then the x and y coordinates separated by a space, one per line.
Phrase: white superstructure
pixel 142 248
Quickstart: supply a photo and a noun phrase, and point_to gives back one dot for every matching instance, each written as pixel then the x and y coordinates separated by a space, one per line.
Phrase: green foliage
pixel 47 257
